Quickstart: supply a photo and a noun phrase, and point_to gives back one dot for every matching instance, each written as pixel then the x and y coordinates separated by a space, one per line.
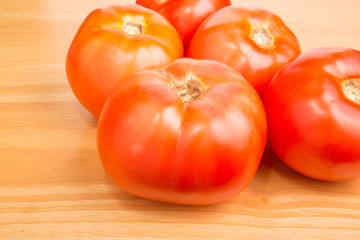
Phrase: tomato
pixel 192 132
pixel 254 41
pixel 185 15
pixel 313 109
pixel 114 42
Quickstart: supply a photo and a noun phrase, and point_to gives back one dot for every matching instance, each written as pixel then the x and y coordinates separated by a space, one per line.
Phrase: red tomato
pixel 252 40
pixel 192 132
pixel 185 15
pixel 112 43
pixel 313 109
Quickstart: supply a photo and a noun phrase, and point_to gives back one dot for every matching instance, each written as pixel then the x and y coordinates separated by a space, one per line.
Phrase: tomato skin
pixel 155 146
pixel 102 54
pixel 226 37
pixel 185 15
pixel 313 127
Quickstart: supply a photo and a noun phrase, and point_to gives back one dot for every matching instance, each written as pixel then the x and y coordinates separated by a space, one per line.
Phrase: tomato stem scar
pixel 189 90
pixel 351 89
pixel 262 37
pixel 132 28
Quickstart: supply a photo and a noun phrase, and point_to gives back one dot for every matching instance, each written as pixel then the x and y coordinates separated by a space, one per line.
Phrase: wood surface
pixel 52 184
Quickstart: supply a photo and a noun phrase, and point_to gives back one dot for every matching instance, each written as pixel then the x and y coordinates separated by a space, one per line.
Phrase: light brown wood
pixel 52 184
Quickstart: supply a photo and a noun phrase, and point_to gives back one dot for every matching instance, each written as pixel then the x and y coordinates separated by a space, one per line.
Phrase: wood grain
pixel 52 184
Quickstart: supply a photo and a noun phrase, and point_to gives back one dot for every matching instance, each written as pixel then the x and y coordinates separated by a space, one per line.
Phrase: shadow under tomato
pixel 273 171
pixel 159 212
pixel 272 176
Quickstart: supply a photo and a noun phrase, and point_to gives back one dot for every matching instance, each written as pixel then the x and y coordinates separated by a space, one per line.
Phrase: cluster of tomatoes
pixel 188 93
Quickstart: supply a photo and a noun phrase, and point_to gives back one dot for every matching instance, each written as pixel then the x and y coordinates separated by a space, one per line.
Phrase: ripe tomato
pixel 192 132
pixel 313 109
pixel 185 15
pixel 112 43
pixel 252 40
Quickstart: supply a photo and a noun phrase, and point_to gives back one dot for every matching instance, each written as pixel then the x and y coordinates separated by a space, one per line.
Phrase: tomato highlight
pixel 114 42
pixel 254 41
pixel 185 15
pixel 192 132
pixel 313 110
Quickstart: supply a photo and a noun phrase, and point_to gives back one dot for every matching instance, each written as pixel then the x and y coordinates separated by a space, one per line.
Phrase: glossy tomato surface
pixel 185 15
pixel 192 132
pixel 254 41
pixel 112 43
pixel 313 109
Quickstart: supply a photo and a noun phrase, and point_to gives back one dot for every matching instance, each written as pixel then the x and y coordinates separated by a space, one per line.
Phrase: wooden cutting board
pixel 52 184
